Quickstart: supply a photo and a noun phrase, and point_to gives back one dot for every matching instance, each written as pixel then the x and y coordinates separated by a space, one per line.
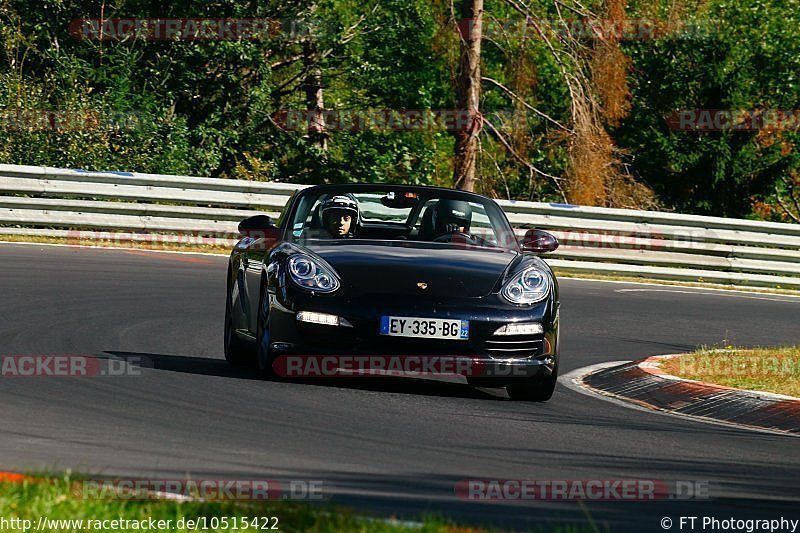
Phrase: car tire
pixel 264 355
pixel 237 352
pixel 533 389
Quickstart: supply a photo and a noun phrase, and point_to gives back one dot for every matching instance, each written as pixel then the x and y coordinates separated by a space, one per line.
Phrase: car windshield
pixel 435 216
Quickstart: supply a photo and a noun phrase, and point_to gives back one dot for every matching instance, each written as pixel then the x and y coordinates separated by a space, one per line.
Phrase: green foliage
pixel 746 57
pixel 57 502
pixel 208 107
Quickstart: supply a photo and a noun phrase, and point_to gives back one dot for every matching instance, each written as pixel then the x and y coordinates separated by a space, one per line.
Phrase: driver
pixel 451 217
pixel 340 216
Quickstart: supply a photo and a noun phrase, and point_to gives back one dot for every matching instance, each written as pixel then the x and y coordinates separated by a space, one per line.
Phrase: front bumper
pixel 484 355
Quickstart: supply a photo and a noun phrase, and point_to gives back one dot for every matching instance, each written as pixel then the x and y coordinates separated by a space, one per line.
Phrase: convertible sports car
pixel 396 271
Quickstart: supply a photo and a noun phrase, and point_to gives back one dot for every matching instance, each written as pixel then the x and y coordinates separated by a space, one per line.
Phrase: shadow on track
pixel 220 368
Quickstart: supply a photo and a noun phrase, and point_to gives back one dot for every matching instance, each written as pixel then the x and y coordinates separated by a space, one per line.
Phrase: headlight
pixel 527 287
pixel 310 275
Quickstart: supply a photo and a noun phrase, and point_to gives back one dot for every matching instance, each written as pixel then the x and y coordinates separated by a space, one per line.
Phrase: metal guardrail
pixel 124 206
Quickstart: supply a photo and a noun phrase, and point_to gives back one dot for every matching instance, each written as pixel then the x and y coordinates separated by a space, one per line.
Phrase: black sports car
pixel 413 273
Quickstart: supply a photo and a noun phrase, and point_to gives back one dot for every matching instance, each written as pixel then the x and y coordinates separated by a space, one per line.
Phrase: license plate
pixel 425 328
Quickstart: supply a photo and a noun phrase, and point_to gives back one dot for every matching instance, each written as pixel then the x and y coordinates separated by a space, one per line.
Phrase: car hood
pixel 398 267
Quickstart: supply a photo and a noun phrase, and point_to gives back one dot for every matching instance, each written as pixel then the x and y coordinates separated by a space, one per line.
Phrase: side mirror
pixel 538 241
pixel 259 227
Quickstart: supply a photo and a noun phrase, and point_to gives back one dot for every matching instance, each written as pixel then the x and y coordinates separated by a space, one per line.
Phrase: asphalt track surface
pixel 380 445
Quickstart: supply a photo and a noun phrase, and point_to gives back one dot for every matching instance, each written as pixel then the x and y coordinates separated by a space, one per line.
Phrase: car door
pixel 252 268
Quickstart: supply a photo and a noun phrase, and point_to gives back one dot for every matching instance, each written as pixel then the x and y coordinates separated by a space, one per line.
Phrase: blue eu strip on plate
pixel 384 325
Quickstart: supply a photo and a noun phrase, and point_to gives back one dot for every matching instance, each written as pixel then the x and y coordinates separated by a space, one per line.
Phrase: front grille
pixel 514 346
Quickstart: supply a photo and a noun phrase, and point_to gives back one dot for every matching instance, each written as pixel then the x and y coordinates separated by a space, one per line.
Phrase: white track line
pixel 677 284
pixel 738 294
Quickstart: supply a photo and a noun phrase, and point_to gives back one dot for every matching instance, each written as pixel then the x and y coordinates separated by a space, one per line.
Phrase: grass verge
pixel 56 505
pixel 763 369
pixel 138 245
pixel 57 500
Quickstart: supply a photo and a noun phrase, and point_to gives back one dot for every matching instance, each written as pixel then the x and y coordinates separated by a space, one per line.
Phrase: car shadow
pixel 221 368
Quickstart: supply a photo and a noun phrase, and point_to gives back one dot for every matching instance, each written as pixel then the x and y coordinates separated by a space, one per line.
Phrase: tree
pixel 741 56
pixel 468 95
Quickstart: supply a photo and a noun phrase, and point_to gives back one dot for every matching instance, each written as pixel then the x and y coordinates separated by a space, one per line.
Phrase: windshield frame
pixel 506 238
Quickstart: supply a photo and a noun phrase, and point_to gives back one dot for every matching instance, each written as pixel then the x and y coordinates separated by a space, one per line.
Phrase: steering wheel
pixel 456 236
